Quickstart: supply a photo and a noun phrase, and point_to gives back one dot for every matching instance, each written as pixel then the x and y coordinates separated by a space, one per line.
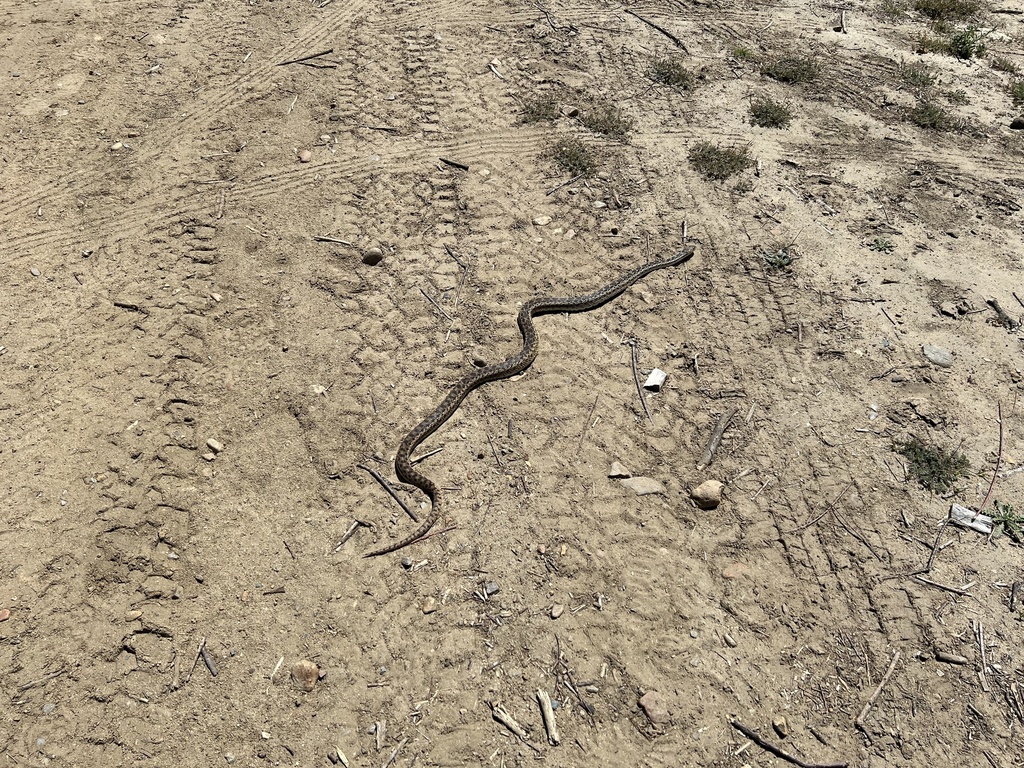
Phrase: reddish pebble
pixel 5 615
pixel 305 156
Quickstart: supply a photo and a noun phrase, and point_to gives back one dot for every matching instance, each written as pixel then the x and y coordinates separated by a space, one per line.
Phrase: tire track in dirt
pixel 315 35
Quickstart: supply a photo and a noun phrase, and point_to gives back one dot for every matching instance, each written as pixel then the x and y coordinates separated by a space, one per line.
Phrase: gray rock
pixel 707 495
pixel 643 486
pixel 941 357
pixel 491 588
pixel 653 705
pixel 617 471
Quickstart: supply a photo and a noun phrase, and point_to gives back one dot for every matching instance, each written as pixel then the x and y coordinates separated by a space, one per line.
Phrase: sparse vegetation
pixel 932 44
pixel 1004 64
pixel 769 113
pixel 892 8
pixel 542 109
pixel 948 10
pixel 932 117
pixel 672 72
pixel 916 74
pixel 743 53
pixel 792 69
pixel 574 156
pixel 936 469
pixel 882 245
pixel 1017 92
pixel 716 163
pixel 1007 521
pixel 779 260
pixel 608 120
pixel 968 43
pixel 958 97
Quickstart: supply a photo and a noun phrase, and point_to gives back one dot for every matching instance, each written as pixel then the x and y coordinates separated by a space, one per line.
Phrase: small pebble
pixel 654 707
pixel 557 610
pixel 542 221
pixel 429 605
pixel 707 495
pixel 229 757
pixel 35 272
pixel 570 110
pixel 781 726
pixel 694 634
pixel 617 471
pixel 214 446
pixel 215 296
pixel 116 146
pixel 209 456
pixel 305 156
pixel 407 563
pixel 48 707
pixel 1017 124
pixel 643 486
pixel 5 615
pixel 599 204
pixel 655 380
pixel 264 735
pixel 333 757
pixel 491 588
pixel 937 355
pixel 730 640
pixel 305 674
pixel 372 256
pixel 133 615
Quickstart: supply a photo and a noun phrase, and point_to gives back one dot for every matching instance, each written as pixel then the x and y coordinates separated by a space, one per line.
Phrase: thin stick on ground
pixel 828 509
pixel 306 58
pixel 387 487
pixel 661 29
pixel 573 180
pixel 859 722
pixel 586 425
pixel 767 746
pixel 716 438
pixel 999 460
pixel 436 305
pixel 636 380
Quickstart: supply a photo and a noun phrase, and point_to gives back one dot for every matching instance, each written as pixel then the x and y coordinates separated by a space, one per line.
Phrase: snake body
pixel 516 364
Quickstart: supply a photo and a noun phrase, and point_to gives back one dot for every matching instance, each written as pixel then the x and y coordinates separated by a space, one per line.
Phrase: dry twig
pixel 769 747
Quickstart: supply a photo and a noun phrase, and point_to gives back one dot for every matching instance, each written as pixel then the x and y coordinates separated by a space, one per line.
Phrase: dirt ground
pixel 162 288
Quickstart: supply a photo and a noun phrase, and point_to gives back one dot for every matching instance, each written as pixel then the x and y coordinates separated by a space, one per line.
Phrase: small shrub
pixel 743 53
pixel 1004 64
pixel 543 109
pixel 792 69
pixel 936 469
pixel 767 113
pixel 1017 92
pixel 1007 521
pixel 672 72
pixel 608 120
pixel 574 156
pixel 916 74
pixel 948 10
pixel 882 245
pixel 932 117
pixel 968 43
pixel 716 163
pixel 779 260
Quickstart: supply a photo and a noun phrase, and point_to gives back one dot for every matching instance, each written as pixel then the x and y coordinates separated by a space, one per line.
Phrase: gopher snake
pixel 516 364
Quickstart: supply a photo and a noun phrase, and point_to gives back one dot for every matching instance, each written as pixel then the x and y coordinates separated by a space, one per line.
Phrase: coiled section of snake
pixel 518 363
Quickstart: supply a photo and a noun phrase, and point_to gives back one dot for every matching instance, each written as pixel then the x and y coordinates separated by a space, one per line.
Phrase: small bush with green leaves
pixel 743 53
pixel 1004 64
pixel 1017 92
pixel 792 69
pixel 932 44
pixel 716 163
pixel 574 156
pixel 968 43
pixel 673 72
pixel 779 260
pixel 882 245
pixel 932 117
pixel 768 113
pixel 937 469
pixel 916 74
pixel 892 8
pixel 948 10
pixel 542 109
pixel 958 97
pixel 608 120
pixel 1006 520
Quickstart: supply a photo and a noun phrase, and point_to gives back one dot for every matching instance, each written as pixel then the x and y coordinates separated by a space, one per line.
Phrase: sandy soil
pixel 162 288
